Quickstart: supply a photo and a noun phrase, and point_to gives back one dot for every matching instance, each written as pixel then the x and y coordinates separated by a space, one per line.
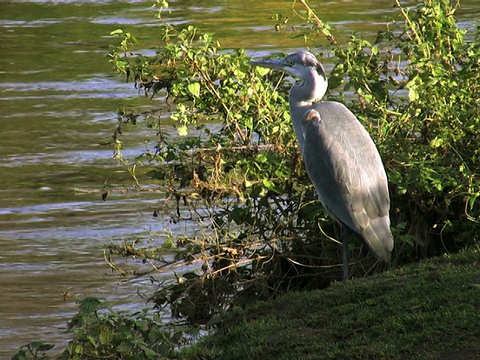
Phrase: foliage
pixel 100 332
pixel 229 169
pixel 35 350
pixel 233 168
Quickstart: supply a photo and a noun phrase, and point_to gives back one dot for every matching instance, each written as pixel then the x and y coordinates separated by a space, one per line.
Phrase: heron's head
pixel 301 64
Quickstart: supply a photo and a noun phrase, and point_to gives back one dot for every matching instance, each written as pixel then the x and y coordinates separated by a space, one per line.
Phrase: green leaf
pixel 105 335
pixel 262 71
pixel 412 94
pixel 270 185
pixel 262 158
pixel 194 89
pixel 437 142
pixel 116 32
pixel 182 130
pixel 125 346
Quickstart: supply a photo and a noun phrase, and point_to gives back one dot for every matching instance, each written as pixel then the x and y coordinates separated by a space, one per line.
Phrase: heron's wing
pixel 345 167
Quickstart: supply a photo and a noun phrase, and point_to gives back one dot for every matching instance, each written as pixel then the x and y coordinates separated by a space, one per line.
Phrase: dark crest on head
pixel 310 60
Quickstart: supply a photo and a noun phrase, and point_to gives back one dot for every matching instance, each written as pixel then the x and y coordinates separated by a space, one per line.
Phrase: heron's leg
pixel 344 236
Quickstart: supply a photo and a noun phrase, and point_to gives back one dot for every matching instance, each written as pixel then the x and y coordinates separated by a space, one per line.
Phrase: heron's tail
pixel 378 238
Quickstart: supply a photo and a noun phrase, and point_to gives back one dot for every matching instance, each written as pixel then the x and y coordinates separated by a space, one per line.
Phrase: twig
pixel 320 24
pixel 408 22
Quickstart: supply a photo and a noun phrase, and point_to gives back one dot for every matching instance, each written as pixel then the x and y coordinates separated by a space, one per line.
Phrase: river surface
pixel 57 100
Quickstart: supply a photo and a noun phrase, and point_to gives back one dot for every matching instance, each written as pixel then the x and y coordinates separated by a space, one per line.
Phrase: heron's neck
pixel 310 89
pixel 302 96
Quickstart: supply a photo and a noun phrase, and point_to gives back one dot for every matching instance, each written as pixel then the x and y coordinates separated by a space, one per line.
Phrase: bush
pixel 234 167
pixel 100 332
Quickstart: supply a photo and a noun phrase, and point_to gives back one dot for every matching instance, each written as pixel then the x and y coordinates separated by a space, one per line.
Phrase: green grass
pixel 428 310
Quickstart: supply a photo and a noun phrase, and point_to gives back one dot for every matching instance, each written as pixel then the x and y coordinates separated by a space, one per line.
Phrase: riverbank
pixel 428 310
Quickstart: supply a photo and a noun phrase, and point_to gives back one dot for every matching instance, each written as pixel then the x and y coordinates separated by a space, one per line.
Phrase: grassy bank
pixel 429 310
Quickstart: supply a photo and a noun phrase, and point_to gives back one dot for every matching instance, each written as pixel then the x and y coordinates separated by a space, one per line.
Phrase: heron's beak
pixel 271 64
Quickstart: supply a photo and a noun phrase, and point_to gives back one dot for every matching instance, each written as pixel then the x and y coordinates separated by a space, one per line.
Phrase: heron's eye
pixel 290 63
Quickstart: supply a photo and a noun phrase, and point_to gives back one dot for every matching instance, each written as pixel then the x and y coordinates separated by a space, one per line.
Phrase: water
pixel 57 101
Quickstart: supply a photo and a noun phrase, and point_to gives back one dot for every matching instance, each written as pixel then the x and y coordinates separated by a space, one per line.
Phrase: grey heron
pixel 340 157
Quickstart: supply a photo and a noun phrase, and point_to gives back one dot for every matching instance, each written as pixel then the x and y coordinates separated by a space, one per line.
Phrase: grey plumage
pixel 340 157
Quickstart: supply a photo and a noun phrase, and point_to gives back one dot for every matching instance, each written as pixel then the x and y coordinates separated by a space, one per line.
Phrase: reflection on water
pixel 57 97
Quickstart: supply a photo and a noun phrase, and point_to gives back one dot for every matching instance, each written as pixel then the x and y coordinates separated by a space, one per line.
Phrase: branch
pixel 320 24
pixel 408 22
